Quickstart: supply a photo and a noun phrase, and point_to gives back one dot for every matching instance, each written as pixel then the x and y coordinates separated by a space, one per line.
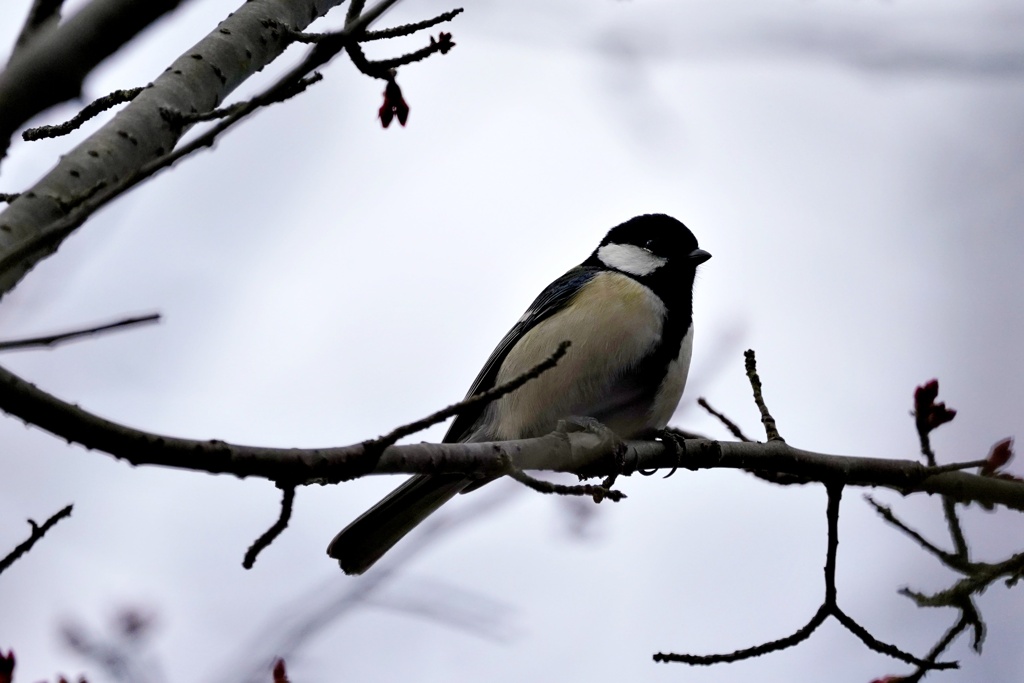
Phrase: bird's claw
pixel 608 441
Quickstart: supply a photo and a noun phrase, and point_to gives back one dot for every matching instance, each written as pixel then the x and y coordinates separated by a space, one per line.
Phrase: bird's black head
pixel 652 245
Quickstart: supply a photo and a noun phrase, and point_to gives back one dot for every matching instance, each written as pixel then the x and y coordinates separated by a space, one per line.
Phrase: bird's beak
pixel 698 256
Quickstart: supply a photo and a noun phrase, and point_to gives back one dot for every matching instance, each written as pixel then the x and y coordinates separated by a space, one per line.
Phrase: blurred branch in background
pixel 287 630
pixel 51 340
pixel 122 650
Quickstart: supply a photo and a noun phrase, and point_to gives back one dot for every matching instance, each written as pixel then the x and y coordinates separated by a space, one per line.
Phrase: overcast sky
pixel 855 167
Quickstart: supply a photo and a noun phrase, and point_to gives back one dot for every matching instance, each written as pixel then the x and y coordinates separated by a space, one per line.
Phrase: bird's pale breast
pixel 613 323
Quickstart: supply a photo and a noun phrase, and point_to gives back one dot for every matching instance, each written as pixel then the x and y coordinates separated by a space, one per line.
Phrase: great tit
pixel 628 313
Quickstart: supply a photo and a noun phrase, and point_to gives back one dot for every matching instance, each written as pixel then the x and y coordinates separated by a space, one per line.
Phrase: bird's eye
pixel 649 245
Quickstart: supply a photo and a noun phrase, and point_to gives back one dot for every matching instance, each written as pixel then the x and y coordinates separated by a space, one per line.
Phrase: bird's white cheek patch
pixel 630 258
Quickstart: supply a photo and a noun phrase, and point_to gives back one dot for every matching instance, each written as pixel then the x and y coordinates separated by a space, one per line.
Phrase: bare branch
pixel 598 493
pixel 581 453
pixel 63 57
pixel 829 607
pixel 797 637
pixel 385 66
pixel 773 477
pixel 38 531
pixel 367 36
pixel 54 339
pixel 234 111
pixel 90 110
pixel 929 414
pixel 729 424
pixel 940 647
pixel 949 559
pixel 268 537
pixel 771 431
pixel 137 141
pixel 409 29
pixel 483 398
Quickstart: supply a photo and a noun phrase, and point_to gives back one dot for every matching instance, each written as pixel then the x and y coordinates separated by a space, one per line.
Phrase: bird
pixel 627 311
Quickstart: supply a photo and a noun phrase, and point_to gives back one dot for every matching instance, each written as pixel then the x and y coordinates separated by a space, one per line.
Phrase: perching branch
pixel 38 531
pixel 581 453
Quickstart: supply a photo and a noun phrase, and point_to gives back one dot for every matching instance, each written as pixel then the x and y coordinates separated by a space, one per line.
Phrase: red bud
pixel 394 105
pixel 927 413
pixel 7 667
pixel 1001 453
pixel 280 675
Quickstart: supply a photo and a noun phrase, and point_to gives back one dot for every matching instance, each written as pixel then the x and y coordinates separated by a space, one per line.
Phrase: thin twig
pixel 38 531
pixel 956 532
pixel 385 66
pixel 54 339
pixel 90 110
pixel 772 477
pixel 795 638
pixel 180 119
pixel 940 647
pixel 729 424
pixel 770 429
pixel 835 496
pixel 268 537
pixel 483 398
pixel 598 493
pixel 367 36
pixel 886 648
pixel 949 559
pixel 929 414
pixel 957 466
pixel 409 29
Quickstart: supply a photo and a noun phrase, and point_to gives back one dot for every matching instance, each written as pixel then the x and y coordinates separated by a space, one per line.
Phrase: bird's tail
pixel 365 540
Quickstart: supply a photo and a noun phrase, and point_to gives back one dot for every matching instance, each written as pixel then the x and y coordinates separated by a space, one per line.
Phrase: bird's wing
pixel 554 297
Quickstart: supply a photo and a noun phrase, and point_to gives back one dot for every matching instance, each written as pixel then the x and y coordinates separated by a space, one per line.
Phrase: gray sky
pixel 857 170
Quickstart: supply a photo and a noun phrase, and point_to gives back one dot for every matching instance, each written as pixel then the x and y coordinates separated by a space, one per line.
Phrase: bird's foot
pixel 602 440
